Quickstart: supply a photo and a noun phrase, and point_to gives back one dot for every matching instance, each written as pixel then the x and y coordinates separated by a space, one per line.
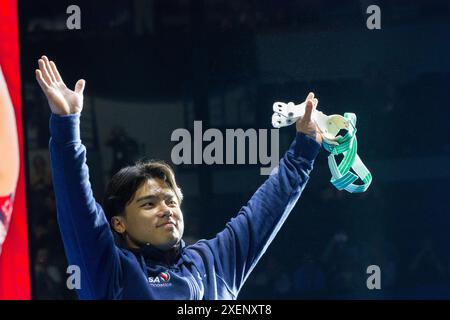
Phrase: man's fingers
pixel 44 72
pixel 79 86
pixel 308 110
pixel 310 96
pixel 41 81
pixel 49 68
pixel 56 72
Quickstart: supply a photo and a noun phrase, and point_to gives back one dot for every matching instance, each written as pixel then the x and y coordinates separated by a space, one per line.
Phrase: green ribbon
pixel 341 176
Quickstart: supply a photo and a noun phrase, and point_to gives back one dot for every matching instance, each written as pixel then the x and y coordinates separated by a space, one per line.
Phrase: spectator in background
pixel 124 149
pixel 41 198
pixel 49 264
pixel 48 278
pixel 41 178
pixel 339 258
pixel 309 278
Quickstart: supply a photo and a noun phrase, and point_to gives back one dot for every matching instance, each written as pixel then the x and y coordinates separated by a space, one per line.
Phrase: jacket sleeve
pixel 244 240
pixel 88 240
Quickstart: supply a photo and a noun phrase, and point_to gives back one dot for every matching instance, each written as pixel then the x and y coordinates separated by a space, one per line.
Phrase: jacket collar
pixel 151 254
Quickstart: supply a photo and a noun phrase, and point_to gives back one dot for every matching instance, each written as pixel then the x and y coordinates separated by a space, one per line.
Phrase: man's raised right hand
pixel 61 99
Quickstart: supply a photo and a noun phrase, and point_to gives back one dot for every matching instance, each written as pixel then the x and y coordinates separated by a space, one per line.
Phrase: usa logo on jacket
pixel 161 280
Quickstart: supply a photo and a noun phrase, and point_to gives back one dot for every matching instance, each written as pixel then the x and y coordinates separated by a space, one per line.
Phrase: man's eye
pixel 149 204
pixel 172 202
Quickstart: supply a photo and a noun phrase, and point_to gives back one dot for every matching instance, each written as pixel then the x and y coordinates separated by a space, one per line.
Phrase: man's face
pixel 154 216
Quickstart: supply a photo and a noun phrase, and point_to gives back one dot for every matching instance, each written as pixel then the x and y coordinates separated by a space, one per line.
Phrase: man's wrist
pixel 65 128
pixel 305 146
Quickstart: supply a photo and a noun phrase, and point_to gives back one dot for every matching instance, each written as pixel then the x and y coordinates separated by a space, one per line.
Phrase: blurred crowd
pixel 147 17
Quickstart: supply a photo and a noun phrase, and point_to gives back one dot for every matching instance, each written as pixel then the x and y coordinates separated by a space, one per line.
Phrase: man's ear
pixel 118 224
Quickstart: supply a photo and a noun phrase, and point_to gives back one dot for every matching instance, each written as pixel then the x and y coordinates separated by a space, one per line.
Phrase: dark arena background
pixel 154 66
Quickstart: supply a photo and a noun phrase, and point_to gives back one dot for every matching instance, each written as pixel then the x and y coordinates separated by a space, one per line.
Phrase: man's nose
pixel 166 210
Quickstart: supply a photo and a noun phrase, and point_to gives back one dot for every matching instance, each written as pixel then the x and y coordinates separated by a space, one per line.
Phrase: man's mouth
pixel 167 223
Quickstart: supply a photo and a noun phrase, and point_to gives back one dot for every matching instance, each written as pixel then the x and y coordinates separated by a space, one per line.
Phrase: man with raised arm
pixel 131 246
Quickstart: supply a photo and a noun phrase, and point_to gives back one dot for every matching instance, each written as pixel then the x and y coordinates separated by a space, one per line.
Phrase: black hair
pixel 124 184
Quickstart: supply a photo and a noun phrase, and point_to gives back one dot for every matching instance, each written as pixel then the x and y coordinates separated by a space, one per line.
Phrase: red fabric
pixel 6 207
pixel 14 260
